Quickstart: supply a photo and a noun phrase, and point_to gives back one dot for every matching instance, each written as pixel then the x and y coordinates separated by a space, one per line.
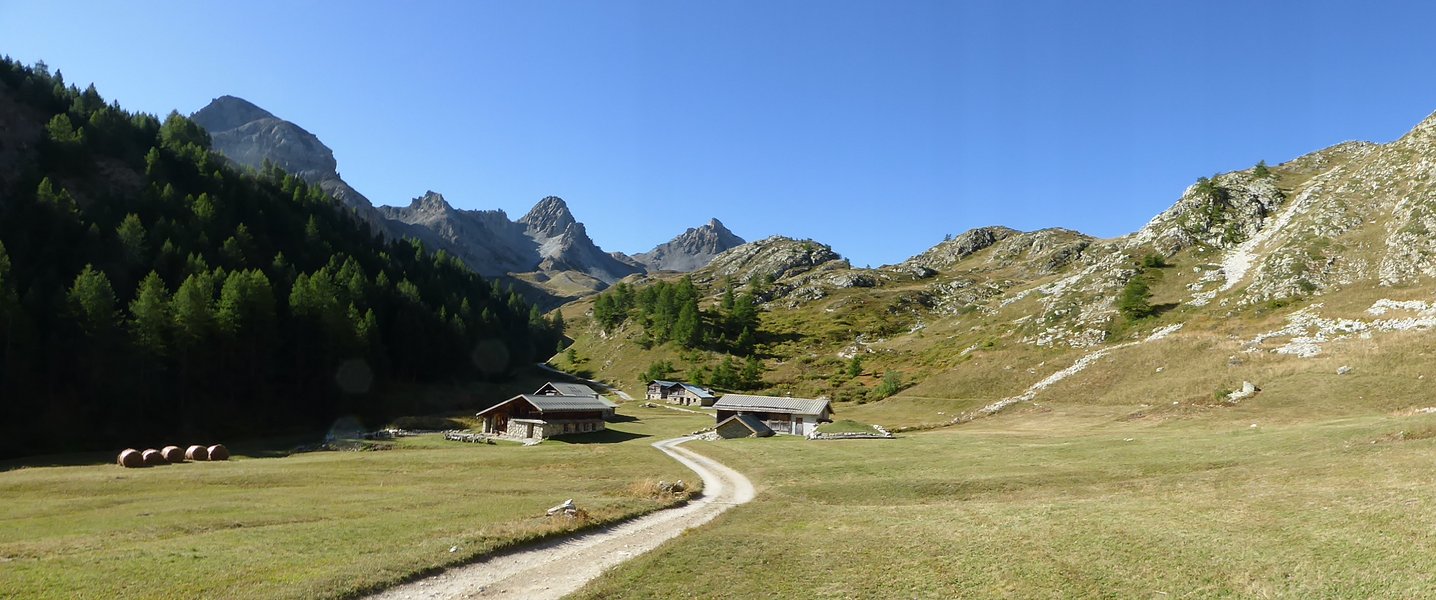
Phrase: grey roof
pixel 797 406
pixel 607 402
pixel 570 389
pixel 698 391
pixel 752 423
pixel 662 382
pixel 556 403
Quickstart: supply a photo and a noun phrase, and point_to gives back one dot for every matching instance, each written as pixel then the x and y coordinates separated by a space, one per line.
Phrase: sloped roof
pixel 662 382
pixel 750 422
pixel 607 402
pixel 556 403
pixel 698 391
pixel 797 406
pixel 570 389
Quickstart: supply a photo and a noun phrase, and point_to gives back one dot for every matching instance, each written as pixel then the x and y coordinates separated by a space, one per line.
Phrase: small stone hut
pixel 741 426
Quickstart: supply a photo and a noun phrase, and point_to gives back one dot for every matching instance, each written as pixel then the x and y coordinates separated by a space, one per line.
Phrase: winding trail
pixel 559 567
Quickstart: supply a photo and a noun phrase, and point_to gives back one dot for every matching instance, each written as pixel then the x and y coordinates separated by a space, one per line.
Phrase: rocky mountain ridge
pixel 690 250
pixel 547 248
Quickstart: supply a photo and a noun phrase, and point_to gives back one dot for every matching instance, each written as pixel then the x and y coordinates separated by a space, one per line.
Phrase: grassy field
pixel 1031 505
pixel 322 524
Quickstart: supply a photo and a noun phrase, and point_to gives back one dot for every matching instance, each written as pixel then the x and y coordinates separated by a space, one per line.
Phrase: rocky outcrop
pixel 690 250
pixel 774 258
pixel 250 135
pixel 950 252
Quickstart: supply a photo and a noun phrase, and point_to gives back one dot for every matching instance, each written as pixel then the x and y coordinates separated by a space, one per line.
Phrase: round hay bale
pixel 218 452
pixel 172 454
pixel 130 458
pixel 153 458
pixel 196 452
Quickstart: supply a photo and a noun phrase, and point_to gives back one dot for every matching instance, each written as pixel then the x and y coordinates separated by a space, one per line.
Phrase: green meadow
pixel 318 524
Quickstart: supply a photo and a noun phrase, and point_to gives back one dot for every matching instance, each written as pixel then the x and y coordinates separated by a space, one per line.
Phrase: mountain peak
pixel 228 112
pixel 431 201
pixel 692 249
pixel 549 217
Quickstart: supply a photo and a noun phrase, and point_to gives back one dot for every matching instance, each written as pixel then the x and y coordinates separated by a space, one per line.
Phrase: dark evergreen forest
pixel 151 292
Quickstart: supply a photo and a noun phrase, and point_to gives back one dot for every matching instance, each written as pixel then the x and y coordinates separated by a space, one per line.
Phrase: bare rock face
pixel 486 240
pixel 949 252
pixel 775 257
pixel 547 240
pixel 564 245
pixel 250 135
pixel 690 250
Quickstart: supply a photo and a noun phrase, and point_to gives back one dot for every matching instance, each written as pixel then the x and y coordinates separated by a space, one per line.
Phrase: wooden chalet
pixel 677 392
pixel 796 416
pixel 536 417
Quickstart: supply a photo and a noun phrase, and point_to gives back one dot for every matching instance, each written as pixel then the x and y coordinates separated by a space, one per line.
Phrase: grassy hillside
pixel 1069 503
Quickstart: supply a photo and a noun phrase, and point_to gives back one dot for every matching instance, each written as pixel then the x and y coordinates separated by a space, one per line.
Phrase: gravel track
pixel 559 567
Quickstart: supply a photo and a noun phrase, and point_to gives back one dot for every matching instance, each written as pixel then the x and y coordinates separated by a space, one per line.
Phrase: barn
pixel 536 417
pixel 796 416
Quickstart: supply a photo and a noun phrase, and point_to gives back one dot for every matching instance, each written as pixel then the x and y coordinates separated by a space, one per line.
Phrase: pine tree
pixel 131 234
pixel 150 319
pixel 92 302
pixel 1135 300
pixel 687 328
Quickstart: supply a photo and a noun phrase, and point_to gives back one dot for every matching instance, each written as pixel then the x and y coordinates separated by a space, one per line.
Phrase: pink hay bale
pixel 130 458
pixel 196 452
pixel 218 452
pixel 153 458
pixel 172 454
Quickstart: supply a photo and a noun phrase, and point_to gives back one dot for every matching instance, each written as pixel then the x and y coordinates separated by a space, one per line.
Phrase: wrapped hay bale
pixel 172 454
pixel 196 452
pixel 130 458
pixel 218 452
pixel 153 458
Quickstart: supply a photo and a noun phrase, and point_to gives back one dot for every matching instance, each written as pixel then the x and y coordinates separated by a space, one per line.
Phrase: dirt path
pixel 560 567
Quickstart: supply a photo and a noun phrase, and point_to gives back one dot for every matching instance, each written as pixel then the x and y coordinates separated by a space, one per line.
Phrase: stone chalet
pixel 677 392
pixel 536 417
pixel 796 416
pixel 575 390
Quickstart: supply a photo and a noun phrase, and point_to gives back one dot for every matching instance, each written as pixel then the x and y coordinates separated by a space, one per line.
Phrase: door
pixel 501 424
pixel 798 426
pixel 530 431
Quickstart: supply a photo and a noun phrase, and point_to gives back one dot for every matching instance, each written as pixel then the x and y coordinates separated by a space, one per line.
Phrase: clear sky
pixel 876 127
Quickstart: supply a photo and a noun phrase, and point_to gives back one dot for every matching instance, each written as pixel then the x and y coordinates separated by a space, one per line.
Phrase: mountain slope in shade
pixel 249 135
pixel 691 250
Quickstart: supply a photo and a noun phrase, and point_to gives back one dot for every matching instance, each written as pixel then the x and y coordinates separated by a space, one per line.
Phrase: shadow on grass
pixel 607 436
pixel 622 419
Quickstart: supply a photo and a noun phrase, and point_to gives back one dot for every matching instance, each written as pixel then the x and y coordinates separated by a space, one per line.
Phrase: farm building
pixel 677 392
pixel 741 426
pixel 797 416
pixel 531 416
pixel 575 390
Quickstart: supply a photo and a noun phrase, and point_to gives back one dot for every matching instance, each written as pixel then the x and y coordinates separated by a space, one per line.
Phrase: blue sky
pixel 876 127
